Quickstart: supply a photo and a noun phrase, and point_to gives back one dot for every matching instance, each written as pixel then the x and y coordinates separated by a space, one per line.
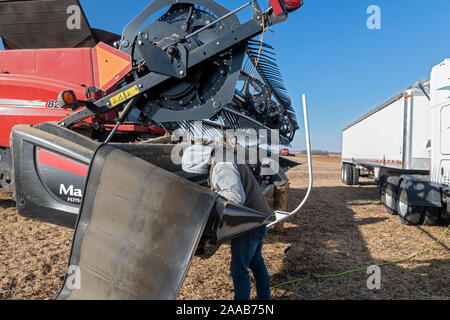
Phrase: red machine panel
pixel 31 80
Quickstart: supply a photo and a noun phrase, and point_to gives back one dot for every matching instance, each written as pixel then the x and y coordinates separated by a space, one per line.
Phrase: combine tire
pixel 347 174
pixel 409 215
pixel 431 216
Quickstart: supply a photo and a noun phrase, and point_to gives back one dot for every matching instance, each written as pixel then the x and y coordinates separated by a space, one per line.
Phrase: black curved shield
pixel 138 230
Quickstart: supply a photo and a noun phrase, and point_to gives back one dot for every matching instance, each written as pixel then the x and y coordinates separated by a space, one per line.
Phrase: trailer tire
pixel 409 215
pixel 390 201
pixel 431 216
pixel 382 185
pixel 355 176
pixel 347 174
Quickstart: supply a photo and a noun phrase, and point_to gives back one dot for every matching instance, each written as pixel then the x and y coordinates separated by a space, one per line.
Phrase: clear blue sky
pixel 326 51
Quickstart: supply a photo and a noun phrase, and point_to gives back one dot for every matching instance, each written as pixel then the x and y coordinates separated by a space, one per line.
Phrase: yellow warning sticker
pixel 132 92
pixel 123 96
pixel 118 99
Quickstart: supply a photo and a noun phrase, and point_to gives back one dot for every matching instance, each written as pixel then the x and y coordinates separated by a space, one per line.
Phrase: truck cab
pixel 440 126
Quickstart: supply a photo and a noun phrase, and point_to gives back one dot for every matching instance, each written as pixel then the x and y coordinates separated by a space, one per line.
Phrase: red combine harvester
pixel 33 73
pixel 31 80
pixel 77 123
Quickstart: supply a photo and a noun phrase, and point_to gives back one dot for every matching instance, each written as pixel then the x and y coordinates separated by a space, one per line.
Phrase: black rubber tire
pixel 409 215
pixel 431 216
pixel 381 185
pixel 347 174
pixel 355 176
pixel 390 199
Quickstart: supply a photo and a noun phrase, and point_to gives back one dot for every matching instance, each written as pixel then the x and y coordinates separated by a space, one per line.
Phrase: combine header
pixel 78 129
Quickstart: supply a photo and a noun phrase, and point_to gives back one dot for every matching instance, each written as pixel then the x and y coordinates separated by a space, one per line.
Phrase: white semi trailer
pixel 405 145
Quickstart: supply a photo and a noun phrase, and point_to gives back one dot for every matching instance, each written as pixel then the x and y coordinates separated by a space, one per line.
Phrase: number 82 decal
pixel 53 104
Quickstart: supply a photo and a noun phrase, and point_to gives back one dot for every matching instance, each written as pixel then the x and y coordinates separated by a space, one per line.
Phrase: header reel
pixel 186 64
pixel 163 48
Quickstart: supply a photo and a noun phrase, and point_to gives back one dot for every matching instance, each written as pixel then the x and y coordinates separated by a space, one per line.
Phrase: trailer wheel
pixel 382 185
pixel 355 175
pixel 347 174
pixel 390 200
pixel 431 216
pixel 409 215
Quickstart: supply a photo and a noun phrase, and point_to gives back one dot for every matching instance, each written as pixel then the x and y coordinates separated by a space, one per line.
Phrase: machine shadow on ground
pixel 6 204
pixel 325 238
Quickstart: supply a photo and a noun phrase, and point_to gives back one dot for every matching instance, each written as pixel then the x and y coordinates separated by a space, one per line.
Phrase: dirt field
pixel 340 228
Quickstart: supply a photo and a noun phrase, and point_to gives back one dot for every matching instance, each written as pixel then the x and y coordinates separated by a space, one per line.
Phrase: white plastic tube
pixel 281 215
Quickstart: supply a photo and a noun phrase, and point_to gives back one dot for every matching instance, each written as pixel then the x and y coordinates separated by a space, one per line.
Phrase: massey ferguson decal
pixel 64 177
pixel 70 194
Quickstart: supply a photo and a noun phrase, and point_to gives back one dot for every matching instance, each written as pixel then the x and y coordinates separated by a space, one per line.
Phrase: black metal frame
pixel 232 38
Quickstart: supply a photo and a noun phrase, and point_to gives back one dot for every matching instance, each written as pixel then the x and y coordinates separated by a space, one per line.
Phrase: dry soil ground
pixel 340 228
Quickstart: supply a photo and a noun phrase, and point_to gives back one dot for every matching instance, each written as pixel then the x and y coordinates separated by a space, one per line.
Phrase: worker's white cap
pixel 196 159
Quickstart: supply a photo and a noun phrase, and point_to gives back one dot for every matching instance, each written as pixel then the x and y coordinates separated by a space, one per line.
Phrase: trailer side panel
pixel 377 139
pixel 394 135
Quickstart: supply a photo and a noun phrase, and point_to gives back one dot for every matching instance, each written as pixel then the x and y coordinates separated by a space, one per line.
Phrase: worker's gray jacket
pixel 235 182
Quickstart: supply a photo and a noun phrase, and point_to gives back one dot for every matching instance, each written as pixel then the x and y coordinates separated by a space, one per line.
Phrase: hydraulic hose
pixel 281 215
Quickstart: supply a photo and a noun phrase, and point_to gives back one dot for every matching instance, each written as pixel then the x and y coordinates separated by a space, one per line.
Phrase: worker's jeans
pixel 246 253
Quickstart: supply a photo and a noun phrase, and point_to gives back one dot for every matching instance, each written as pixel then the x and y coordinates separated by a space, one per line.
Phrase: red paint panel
pixel 276 7
pixel 139 128
pixel 40 75
pixel 11 118
pixel 18 61
pixel 28 88
pixel 68 65
pixel 62 163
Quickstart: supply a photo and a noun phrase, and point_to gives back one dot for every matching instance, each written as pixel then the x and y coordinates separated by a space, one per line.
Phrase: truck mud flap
pixel 139 228
pixel 421 192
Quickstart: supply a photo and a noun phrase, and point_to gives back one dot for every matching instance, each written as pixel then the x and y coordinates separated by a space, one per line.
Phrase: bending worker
pixel 236 183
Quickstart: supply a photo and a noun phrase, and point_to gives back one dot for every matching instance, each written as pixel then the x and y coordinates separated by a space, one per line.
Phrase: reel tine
pixel 262 55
